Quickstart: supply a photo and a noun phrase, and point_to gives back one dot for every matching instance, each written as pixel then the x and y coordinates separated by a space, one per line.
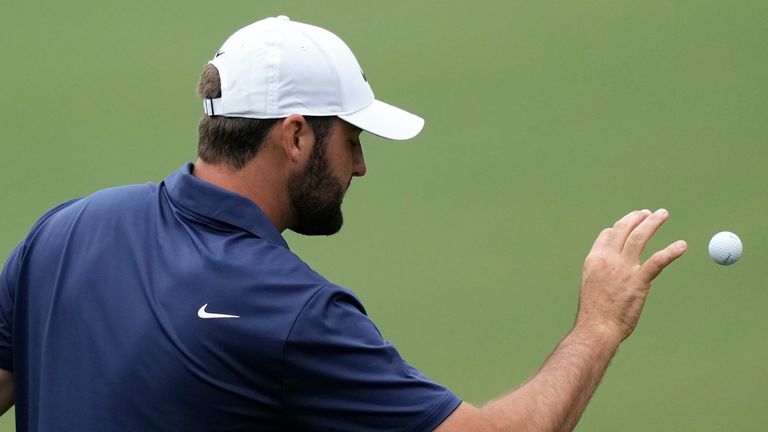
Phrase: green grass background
pixel 546 121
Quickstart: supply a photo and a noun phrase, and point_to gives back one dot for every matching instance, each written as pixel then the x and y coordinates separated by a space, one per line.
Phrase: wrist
pixel 603 334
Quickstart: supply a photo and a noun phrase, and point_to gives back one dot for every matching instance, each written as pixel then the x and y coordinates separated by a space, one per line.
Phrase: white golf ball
pixel 725 248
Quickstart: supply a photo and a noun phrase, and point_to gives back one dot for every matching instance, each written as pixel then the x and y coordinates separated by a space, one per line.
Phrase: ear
pixel 296 138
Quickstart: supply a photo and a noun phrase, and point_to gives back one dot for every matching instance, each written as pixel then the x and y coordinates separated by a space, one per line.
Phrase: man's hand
pixel 614 288
pixel 615 283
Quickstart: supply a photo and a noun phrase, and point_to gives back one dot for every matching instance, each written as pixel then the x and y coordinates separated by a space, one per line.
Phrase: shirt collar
pixel 212 202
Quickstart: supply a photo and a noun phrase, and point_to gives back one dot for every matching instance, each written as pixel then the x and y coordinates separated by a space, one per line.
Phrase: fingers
pixel 631 234
pixel 639 237
pixel 615 238
pixel 661 259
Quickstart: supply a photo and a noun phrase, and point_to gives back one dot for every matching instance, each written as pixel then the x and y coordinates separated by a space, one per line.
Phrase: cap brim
pixel 386 121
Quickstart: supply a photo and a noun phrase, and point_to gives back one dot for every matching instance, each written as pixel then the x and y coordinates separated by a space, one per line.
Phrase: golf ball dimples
pixel 725 248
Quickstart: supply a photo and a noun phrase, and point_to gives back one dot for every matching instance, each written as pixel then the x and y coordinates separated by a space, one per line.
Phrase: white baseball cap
pixel 277 67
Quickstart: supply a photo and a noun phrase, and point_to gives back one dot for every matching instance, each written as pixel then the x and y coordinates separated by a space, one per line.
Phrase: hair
pixel 234 141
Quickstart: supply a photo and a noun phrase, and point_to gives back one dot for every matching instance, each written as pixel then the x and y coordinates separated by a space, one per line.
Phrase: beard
pixel 316 196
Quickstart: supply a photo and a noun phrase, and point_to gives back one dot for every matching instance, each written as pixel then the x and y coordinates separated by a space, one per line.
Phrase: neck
pixel 253 182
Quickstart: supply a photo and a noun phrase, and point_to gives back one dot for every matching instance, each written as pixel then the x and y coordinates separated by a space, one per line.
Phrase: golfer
pixel 179 306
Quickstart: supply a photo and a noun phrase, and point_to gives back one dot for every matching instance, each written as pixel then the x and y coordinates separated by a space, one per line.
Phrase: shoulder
pixel 122 197
pixel 52 213
pixel 332 314
pixel 269 278
pixel 284 268
pixel 325 294
pixel 117 198
pixel 330 295
pixel 106 209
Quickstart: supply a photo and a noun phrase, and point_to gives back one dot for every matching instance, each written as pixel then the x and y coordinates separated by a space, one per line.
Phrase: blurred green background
pixel 546 121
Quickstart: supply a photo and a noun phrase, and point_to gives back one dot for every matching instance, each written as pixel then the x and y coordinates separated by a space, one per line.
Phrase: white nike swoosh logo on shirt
pixel 207 315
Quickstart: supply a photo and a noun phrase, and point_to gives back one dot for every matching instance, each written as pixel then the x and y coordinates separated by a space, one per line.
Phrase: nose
pixel 360 168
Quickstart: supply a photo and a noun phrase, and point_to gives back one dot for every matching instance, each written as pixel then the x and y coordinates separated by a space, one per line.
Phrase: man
pixel 179 306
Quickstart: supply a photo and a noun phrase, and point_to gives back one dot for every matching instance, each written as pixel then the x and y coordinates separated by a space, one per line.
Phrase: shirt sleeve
pixel 8 281
pixel 341 375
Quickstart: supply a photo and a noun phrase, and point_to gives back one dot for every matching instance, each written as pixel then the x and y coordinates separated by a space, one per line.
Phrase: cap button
pixel 283 18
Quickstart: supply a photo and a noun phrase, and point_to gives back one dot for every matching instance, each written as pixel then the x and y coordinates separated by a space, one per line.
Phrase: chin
pixel 320 226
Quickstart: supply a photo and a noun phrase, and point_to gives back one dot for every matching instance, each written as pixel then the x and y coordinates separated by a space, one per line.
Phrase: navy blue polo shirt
pixel 179 307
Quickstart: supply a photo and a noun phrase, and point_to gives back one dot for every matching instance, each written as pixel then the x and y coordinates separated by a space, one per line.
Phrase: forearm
pixel 555 398
pixel 6 390
pixel 614 287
